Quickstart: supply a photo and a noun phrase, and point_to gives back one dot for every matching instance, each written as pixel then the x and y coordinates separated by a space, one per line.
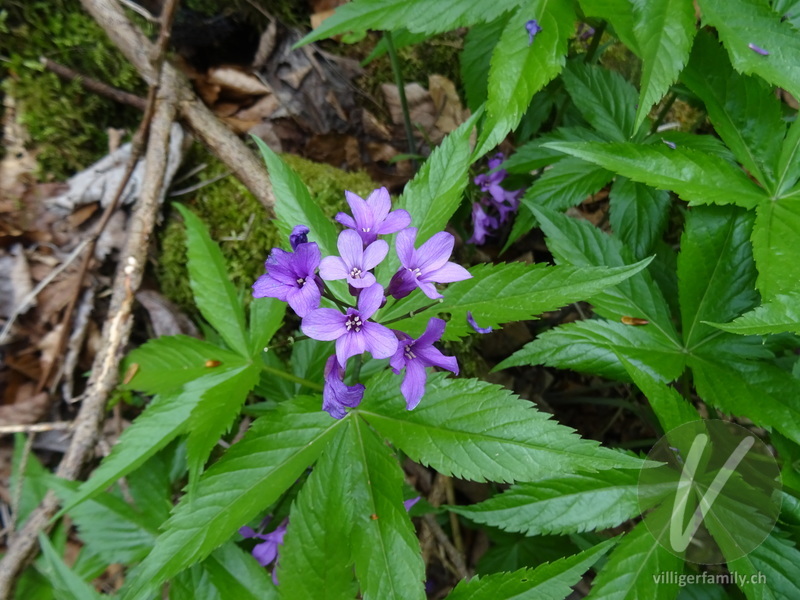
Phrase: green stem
pixel 327 293
pixel 663 112
pixel 401 89
pixel 598 34
pixel 293 378
pixel 357 369
pixel 411 313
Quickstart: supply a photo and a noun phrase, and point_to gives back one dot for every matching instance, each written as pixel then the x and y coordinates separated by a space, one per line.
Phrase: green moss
pixel 67 123
pixel 239 223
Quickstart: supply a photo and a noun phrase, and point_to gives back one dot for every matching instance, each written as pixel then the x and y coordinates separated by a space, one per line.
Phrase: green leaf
pixel 619 14
pixel 568 183
pixel 213 415
pixel 266 317
pixel 384 546
pixel 697 177
pixel 420 16
pixel 476 57
pixel 775 247
pixel 664 30
pixel 780 314
pixel 249 477
pixel 788 169
pixel 670 407
pixel 596 346
pixel 315 557
pixel 516 292
pixel 579 243
pixel 535 155
pixel 213 291
pixel 744 110
pixel 511 552
pixel 603 97
pixel 716 273
pixel 296 206
pixel 28 482
pixel 475 430
pixel 566 504
pixel 236 574
pixel 769 571
pixel 66 583
pixel 519 69
pixel 638 215
pixel 743 22
pixel 546 582
pixel 151 488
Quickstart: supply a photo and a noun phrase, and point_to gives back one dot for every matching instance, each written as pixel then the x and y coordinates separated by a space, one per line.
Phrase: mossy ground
pixel 239 223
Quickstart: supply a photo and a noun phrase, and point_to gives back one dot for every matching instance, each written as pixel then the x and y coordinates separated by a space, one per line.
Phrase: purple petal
pixel 474 325
pixel 306 258
pixel 429 290
pixel 345 220
pixel 449 273
pixel 380 340
pixel 431 356
pixel 335 394
pixel 332 268
pixel 434 253
pixel 305 299
pixel 350 344
pixel 397 360
pixel 758 49
pixel 247 532
pixel 363 281
pixel 361 211
pixel 370 300
pixel 394 222
pixel 408 504
pixel 265 552
pixel 380 204
pixel 402 284
pixel 405 246
pixel 413 386
pixel 374 254
pixel 324 324
pixel 298 236
pixel 433 332
pixel 351 248
pixel 267 287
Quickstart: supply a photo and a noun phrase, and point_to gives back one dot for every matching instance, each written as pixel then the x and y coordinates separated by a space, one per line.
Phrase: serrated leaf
pixel 213 415
pixel 619 14
pixel 515 292
pixel 213 291
pixel 475 430
pixel 568 183
pixel 476 57
pixel 546 582
pixel 788 169
pixel 167 363
pixel 251 475
pixel 595 346
pixel 535 155
pixel 664 30
pixel 603 97
pixel 697 177
pixel 567 504
pixel 236 574
pixel 744 110
pixel 315 558
pixel 779 315
pixel 775 247
pixel 28 479
pixel 385 548
pixel 511 552
pixel 638 215
pixel 151 489
pixel 716 273
pixel 266 317
pixel 769 571
pixel 579 243
pixel 66 583
pixel 518 69
pixel 743 22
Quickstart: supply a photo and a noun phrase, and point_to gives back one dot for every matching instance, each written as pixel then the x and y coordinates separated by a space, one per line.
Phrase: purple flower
pixel 474 325
pixel 417 354
pixel 290 277
pixel 371 217
pixel 353 332
pixel 483 224
pixel 335 394
pixel 425 266
pixel 408 504
pixel 267 551
pixel 298 236
pixel 356 261
pixel 532 27
pixel 758 50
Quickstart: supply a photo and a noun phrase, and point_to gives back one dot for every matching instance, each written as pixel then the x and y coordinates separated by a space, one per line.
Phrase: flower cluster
pixel 266 551
pixel 298 278
pixel 492 210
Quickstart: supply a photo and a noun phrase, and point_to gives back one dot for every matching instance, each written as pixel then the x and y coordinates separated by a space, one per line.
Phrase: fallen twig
pixel 35 427
pixel 94 86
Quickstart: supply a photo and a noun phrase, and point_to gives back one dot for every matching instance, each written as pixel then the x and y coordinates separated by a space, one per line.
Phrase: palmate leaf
pixel 769 571
pixel 476 57
pixel 213 291
pixel 779 315
pixel 775 247
pixel 515 292
pixel 596 345
pixel 511 552
pixel 234 573
pixel 475 430
pixel 384 546
pixel 744 110
pixel 788 169
pixel 546 582
pixel 315 557
pixel 251 475
pixel 638 215
pixel 535 154
pixel 567 504
pixel 743 22
pixel 66 583
pixel 664 30
pixel 619 14
pixel 266 317
pixel 518 69
pixel 697 177
pixel 716 272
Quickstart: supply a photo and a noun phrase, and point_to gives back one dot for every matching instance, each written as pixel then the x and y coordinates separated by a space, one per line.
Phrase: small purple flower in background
pixel 758 50
pixel 353 332
pixel 493 210
pixel 356 262
pixel 426 265
pixel 290 276
pixel 482 223
pixel 585 31
pixel 267 551
pixel 336 395
pixel 408 504
pixel 471 322
pixel 371 217
pixel 415 355
pixel 532 27
pixel 298 236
